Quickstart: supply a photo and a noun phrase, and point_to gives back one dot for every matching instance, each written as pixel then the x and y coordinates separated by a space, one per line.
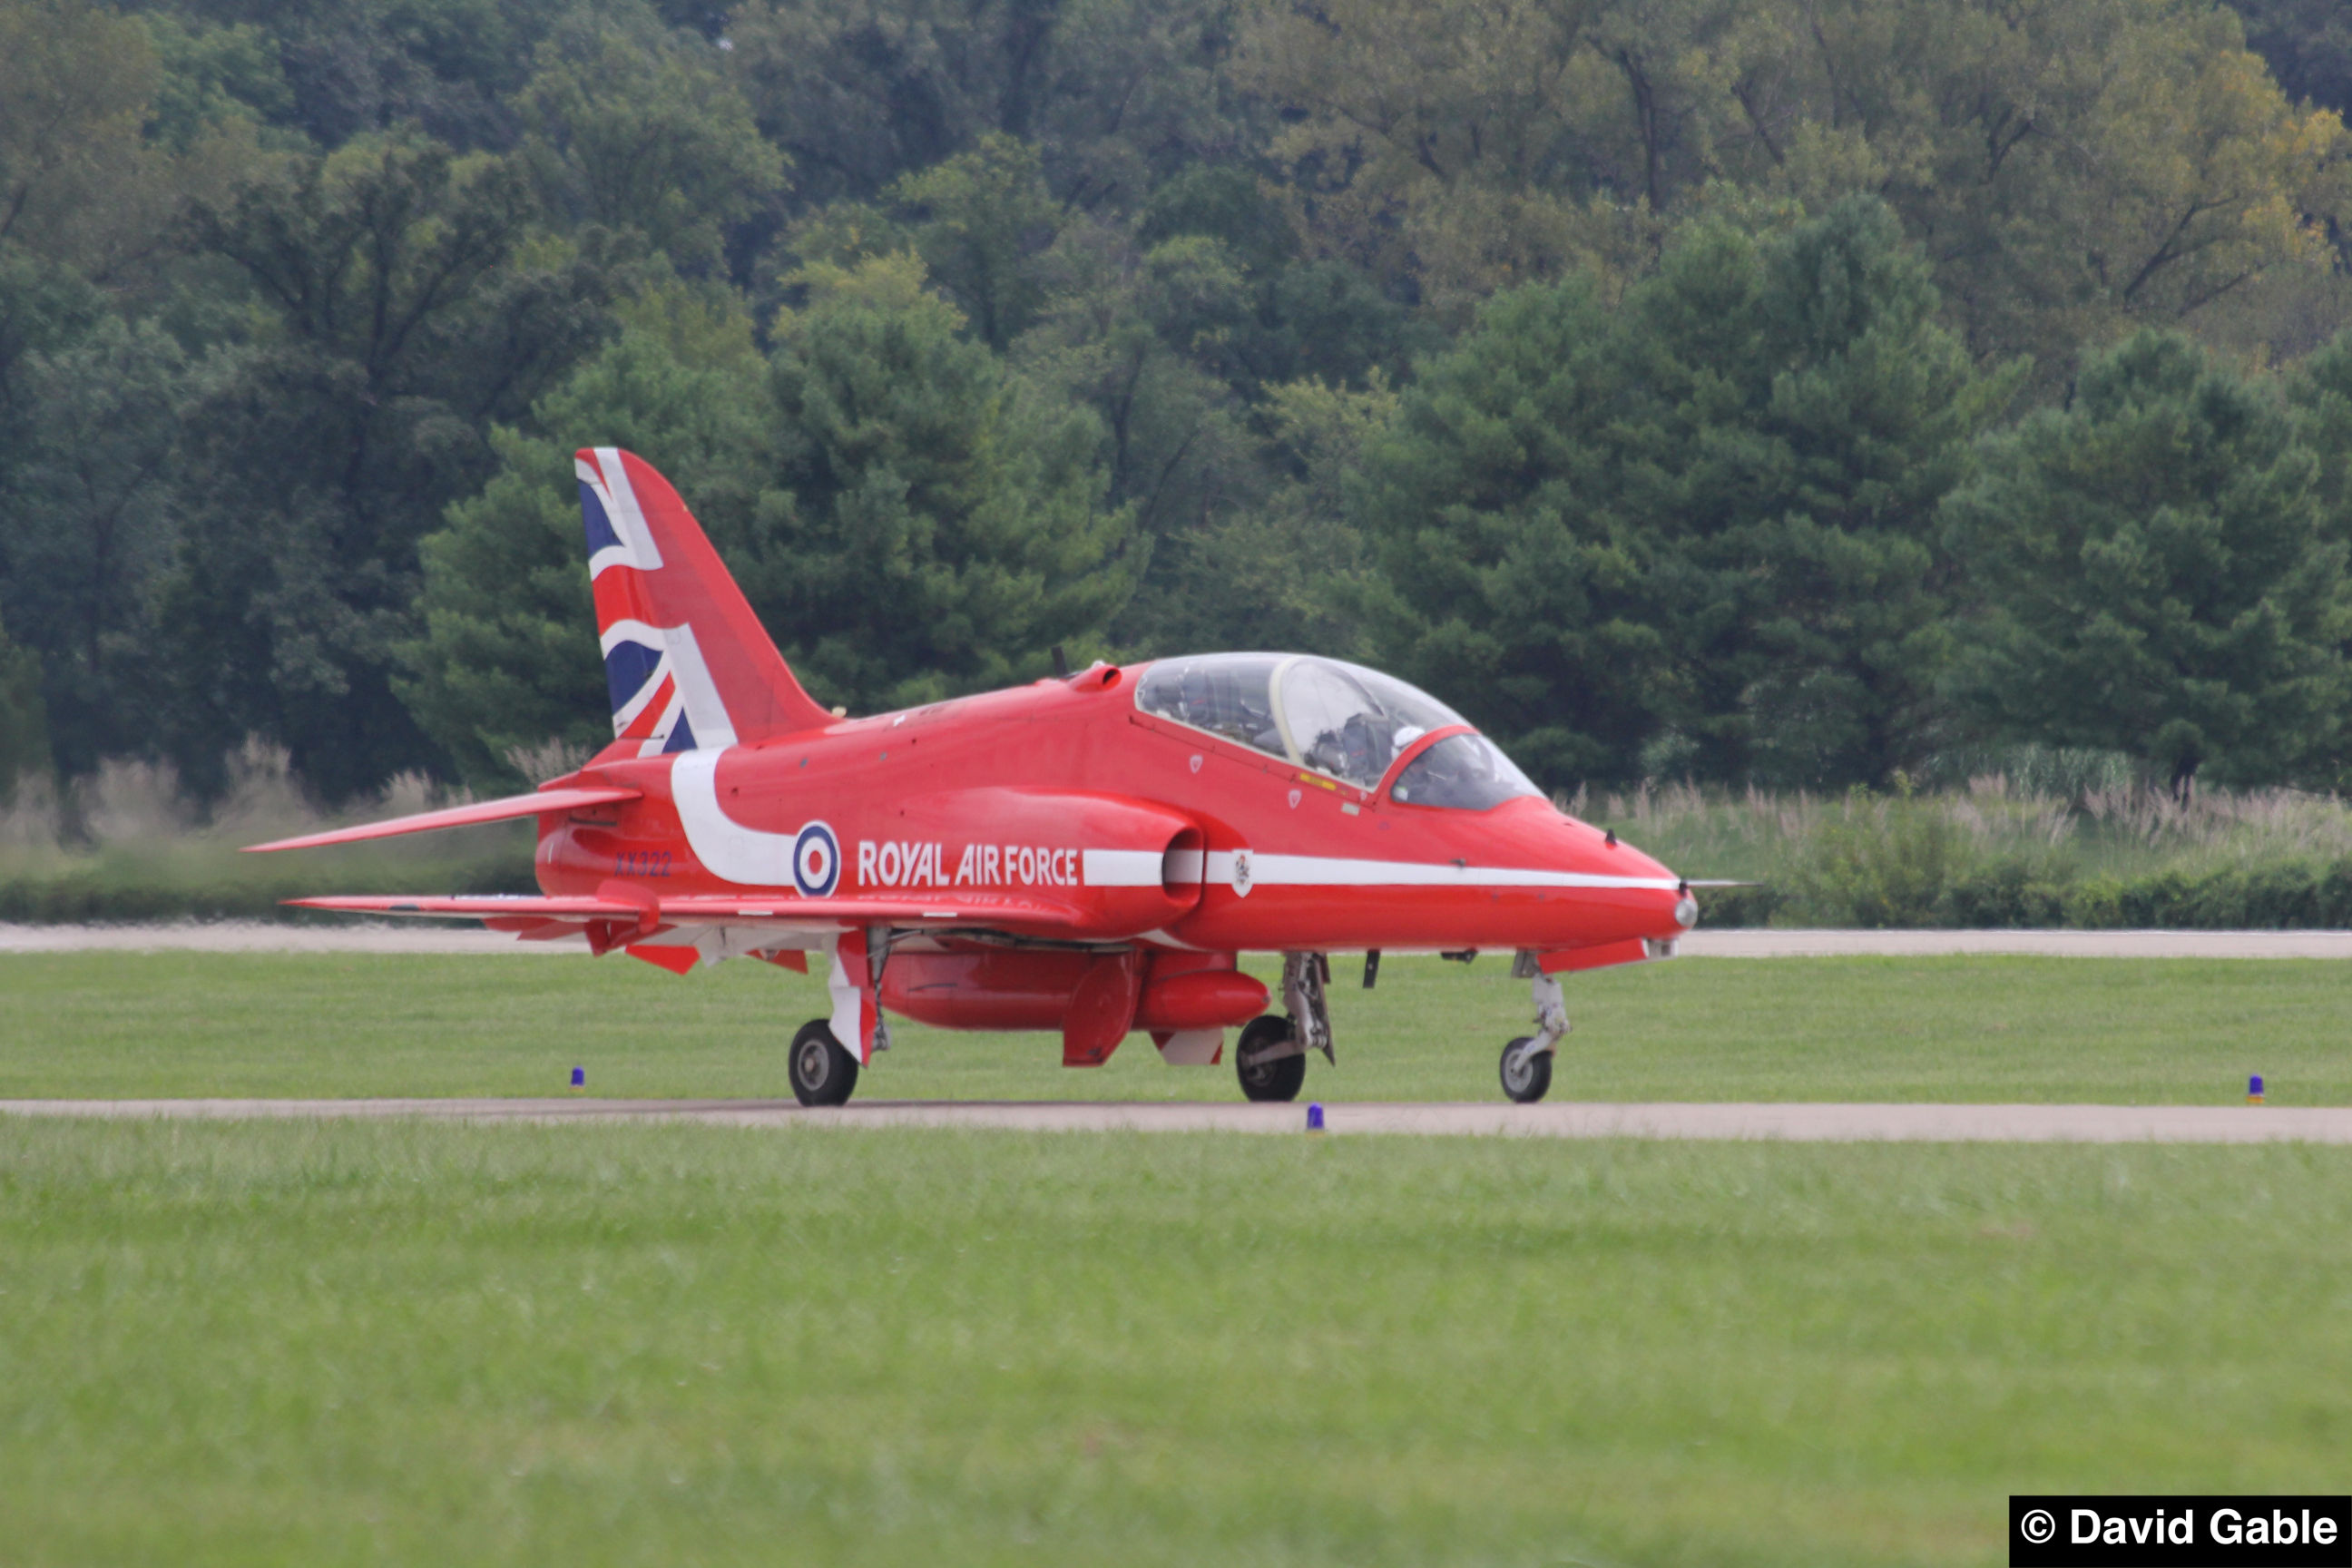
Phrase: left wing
pixel 678 933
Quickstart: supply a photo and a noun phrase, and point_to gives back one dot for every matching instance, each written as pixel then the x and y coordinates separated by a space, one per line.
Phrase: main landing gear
pixel 1526 1061
pixel 821 1072
pixel 1270 1058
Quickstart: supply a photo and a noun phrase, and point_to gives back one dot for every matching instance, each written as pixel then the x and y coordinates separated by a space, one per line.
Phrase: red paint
pixel 1102 1008
pixel 1202 999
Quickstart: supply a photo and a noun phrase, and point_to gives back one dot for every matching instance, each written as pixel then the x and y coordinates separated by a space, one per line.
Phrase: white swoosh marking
pixel 728 850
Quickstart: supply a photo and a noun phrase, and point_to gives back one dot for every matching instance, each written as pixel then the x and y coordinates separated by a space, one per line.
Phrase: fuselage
pixel 1067 795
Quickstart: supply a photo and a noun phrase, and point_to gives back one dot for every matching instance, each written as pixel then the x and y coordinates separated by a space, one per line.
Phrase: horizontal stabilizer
pixel 533 804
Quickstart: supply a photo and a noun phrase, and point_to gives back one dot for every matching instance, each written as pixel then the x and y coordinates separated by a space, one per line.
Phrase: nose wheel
pixel 1526 1074
pixel 821 1072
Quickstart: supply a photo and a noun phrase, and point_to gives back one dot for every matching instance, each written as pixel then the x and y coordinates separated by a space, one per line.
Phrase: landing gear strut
pixel 821 1072
pixel 1526 1061
pixel 1270 1058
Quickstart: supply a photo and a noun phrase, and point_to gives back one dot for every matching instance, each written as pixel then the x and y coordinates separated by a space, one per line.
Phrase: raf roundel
pixel 817 861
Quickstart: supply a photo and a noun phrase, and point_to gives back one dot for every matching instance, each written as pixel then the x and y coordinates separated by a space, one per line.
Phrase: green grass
pixel 418 1344
pixel 1973 1028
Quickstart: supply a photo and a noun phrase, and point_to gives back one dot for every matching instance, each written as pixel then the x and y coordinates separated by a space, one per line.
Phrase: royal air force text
pixel 896 863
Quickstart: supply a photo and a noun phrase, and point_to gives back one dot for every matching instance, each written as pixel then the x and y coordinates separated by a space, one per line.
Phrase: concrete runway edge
pixel 1765 1123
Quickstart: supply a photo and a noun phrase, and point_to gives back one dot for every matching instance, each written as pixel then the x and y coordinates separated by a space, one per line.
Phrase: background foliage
pixel 1794 395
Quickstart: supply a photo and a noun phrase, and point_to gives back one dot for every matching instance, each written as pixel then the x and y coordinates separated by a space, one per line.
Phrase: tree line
pixel 1734 389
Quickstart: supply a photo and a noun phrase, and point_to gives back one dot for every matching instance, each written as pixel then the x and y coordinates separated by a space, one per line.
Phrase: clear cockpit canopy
pixel 1468 773
pixel 1322 713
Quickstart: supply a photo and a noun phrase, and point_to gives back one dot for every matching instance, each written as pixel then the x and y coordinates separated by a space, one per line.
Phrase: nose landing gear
pixel 1526 1061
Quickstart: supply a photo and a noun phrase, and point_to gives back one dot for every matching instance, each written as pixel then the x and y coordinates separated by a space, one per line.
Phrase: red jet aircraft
pixel 1090 853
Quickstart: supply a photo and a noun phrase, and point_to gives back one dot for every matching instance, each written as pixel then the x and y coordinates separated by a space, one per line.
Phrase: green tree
pixel 1115 338
pixel 2072 168
pixel 2076 169
pixel 1308 318
pixel 406 305
pixel 650 136
pixel 2319 389
pixel 944 519
pixel 88 528
pixel 980 220
pixel 1120 94
pixel 2307 44
pixel 24 715
pixel 1291 571
pixel 81 185
pixel 44 307
pixel 1694 531
pixel 2153 574
pixel 447 69
pixel 1442 142
pixel 1804 563
pixel 75 84
pixel 210 73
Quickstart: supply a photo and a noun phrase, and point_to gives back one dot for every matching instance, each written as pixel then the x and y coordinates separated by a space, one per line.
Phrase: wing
pixel 678 933
pixel 537 803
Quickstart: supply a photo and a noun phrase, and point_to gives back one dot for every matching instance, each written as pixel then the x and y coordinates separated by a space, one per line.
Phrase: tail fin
pixel 687 663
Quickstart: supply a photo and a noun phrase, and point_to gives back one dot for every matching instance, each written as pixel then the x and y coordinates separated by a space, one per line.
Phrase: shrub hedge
pixel 2293 895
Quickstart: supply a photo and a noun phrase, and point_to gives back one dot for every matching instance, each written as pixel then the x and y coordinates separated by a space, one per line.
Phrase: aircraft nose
pixel 1658 899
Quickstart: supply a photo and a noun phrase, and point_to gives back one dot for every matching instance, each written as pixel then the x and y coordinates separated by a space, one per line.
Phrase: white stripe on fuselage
pixel 1271 870
pixel 1122 867
pixel 750 856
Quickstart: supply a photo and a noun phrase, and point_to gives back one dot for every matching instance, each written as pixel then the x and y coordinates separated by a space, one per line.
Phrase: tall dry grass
pixel 1988 852
pixel 128 842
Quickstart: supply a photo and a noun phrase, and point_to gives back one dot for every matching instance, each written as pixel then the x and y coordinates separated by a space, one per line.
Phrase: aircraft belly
pixel 991 988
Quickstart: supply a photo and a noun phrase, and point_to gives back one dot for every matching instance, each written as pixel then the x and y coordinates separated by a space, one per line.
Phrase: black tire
pixel 1533 1080
pixel 1278 1082
pixel 821 1072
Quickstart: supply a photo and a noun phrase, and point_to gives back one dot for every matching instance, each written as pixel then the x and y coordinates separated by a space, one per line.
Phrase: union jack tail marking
pixel 686 664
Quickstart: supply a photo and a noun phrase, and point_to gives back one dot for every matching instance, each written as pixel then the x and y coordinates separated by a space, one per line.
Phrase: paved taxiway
pixel 1802 1123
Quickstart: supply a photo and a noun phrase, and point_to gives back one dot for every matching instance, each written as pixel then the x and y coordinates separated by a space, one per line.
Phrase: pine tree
pixel 2153 574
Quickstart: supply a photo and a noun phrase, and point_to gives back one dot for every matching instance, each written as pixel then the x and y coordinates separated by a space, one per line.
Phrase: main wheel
pixel 1277 1080
pixel 1526 1078
pixel 822 1073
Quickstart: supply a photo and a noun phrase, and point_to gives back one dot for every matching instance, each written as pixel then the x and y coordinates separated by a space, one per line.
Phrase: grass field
pixel 418 1343
pixel 430 1345
pixel 1974 1028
